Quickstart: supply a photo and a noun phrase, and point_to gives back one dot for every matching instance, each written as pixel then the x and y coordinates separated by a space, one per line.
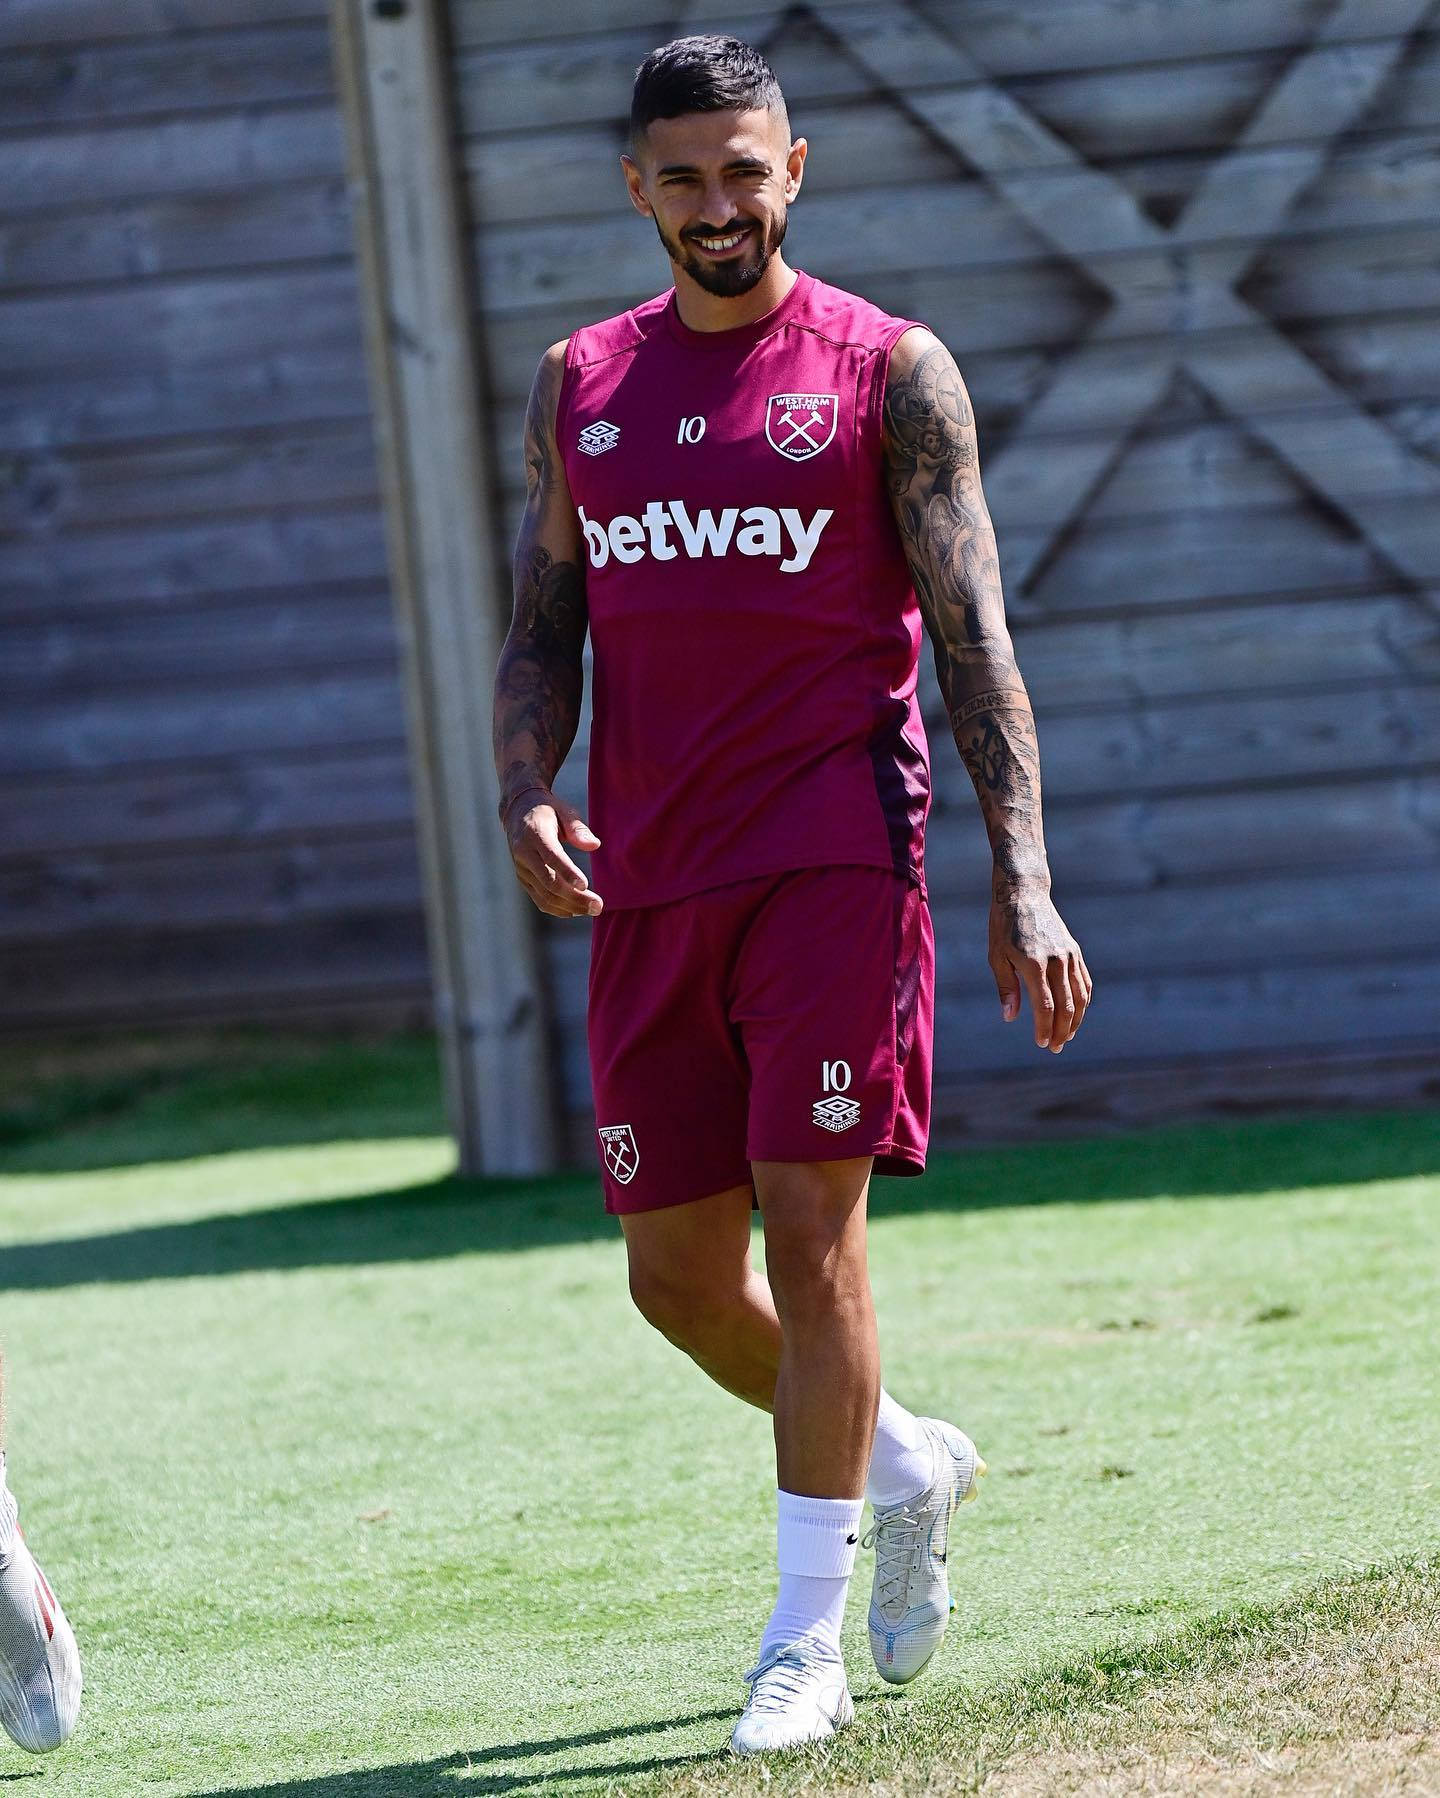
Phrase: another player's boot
pixel 39 1662
pixel 798 1694
pixel 910 1602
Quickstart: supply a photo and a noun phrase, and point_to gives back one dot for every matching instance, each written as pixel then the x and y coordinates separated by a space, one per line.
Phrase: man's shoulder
pixel 614 336
pixel 849 318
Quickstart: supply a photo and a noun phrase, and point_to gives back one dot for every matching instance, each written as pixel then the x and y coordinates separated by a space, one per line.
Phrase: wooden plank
pixel 311 711
pixel 1207 743
pixel 276 386
pixel 156 977
pixel 270 794
pixel 162 76
pixel 62 659
pixel 1128 844
pixel 537 85
pixel 1275 648
pixel 221 886
pixel 1364 1001
pixel 34 22
pixel 114 567
pixel 230 152
pixel 490 1002
pixel 1063 1101
pixel 303 222
pixel 326 463
pixel 1016 37
pixel 1174 562
pixel 172 328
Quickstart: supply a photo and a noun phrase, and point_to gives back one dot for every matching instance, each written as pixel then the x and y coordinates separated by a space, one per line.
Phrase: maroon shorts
pixel 787 1018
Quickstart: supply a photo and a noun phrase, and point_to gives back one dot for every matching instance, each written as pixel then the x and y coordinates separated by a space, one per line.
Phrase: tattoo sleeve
pixel 539 679
pixel 933 472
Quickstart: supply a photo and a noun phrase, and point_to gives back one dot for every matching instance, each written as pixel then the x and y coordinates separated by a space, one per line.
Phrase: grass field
pixel 361 1482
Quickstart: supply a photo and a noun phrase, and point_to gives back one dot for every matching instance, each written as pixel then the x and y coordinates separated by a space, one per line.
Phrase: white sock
pixel 815 1552
pixel 902 1463
pixel 8 1512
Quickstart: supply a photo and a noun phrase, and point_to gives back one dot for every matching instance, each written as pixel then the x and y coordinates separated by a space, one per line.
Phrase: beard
pixel 739 275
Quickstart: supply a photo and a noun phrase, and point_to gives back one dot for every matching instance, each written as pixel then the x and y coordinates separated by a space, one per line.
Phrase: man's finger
pixel 1057 974
pixel 1042 1001
pixel 1080 991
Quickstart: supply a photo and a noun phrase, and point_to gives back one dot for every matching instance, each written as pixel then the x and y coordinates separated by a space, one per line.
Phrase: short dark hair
pixel 702 74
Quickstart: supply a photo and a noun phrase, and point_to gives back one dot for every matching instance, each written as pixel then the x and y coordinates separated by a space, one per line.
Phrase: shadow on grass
pixel 246 1094
pixel 447 1217
pixel 463 1773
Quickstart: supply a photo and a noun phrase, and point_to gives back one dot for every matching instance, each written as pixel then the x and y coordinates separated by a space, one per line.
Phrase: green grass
pixel 358 1481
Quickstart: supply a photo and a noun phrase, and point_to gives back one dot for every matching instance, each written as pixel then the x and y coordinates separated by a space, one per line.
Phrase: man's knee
pixel 815 1243
pixel 685 1310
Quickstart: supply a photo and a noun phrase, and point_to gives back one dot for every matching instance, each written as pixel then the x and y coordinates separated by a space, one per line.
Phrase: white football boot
pixel 797 1694
pixel 39 1662
pixel 910 1602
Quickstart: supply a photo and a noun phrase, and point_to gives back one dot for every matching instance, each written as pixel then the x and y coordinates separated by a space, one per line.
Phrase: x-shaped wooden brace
pixel 1174 289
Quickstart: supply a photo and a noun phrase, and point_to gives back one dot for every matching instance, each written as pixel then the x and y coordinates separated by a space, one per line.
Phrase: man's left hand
pixel 1030 947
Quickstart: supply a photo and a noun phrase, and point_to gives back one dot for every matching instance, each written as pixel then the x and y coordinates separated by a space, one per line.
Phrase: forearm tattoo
pixel 932 467
pixel 539 680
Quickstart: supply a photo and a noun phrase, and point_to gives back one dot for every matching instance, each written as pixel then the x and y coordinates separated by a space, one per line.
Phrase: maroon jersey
pixel 754 629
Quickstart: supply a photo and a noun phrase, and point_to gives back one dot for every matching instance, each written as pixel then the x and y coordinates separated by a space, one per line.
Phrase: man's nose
pixel 718 207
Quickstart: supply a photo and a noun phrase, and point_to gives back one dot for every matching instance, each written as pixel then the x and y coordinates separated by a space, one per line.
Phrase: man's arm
pixel 539 680
pixel 933 469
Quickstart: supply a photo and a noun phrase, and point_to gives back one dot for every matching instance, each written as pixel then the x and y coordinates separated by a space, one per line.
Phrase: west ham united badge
pixel 799 425
pixel 621 1156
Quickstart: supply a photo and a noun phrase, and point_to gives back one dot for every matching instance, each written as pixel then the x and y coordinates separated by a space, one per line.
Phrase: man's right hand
pixel 538 825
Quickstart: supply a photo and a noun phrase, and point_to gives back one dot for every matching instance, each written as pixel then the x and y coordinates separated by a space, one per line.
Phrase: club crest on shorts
pixel 621 1155
pixel 799 425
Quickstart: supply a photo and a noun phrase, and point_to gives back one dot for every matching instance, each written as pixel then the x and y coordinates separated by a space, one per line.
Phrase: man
pixel 755 490
pixel 39 1662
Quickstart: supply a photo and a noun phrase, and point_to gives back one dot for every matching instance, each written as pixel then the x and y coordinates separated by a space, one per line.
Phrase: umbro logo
pixel 835 1113
pixel 601 436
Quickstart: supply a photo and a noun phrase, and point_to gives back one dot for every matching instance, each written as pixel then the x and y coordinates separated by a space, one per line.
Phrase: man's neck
pixel 703 311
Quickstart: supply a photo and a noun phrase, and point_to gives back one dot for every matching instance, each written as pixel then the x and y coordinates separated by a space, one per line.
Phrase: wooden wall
pixel 204 801
pixel 1187 253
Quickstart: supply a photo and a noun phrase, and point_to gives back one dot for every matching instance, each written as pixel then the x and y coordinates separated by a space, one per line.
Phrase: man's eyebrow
pixel 740 162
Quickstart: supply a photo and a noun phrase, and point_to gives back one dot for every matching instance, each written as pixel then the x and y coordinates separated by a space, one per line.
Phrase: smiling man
pixel 758 492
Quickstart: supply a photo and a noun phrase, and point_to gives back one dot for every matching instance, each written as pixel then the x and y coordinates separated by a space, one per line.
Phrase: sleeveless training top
pixel 753 626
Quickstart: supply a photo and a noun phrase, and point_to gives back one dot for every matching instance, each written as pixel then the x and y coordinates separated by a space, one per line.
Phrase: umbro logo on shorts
pixel 835 1113
pixel 621 1155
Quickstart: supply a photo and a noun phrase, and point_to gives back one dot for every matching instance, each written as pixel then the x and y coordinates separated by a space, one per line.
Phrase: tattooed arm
pixel 933 471
pixel 538 682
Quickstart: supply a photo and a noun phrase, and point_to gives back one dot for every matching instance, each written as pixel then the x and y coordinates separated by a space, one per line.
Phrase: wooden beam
pixel 435 469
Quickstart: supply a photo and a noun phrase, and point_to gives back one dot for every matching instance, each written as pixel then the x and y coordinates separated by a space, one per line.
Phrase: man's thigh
pixel 832 1001
pixel 667 1070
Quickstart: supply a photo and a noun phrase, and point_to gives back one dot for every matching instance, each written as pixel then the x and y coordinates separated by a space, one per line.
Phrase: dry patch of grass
pixel 1335 1691
pixel 1321 1712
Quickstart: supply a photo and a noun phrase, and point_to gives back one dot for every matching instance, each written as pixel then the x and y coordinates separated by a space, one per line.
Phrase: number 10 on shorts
pixel 835 1113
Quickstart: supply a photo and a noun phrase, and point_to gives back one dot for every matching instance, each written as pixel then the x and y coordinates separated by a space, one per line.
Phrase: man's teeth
pixel 721 243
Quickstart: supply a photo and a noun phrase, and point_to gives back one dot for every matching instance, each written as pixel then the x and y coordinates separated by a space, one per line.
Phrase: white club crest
pixel 621 1155
pixel 601 436
pixel 799 425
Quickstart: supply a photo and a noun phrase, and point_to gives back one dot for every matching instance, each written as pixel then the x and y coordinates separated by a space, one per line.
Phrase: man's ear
pixel 795 167
pixel 633 180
